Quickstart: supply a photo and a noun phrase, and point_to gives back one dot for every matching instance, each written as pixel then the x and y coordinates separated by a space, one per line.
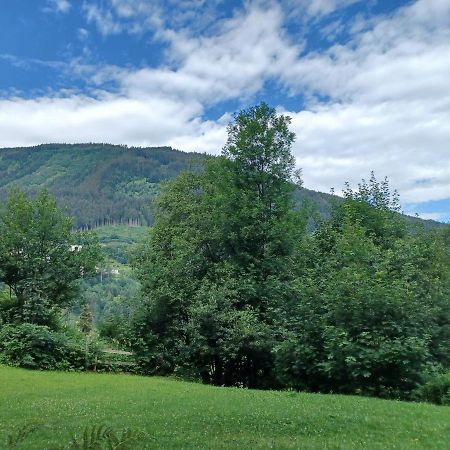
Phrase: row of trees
pixel 237 292
pixel 234 288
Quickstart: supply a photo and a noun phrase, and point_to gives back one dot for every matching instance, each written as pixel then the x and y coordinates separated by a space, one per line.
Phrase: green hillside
pixel 109 188
pixel 102 184
pixel 174 414
pixel 98 184
pixel 113 293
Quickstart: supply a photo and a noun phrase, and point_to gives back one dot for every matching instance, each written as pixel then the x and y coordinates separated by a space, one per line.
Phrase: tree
pixel 371 310
pixel 258 186
pixel 86 319
pixel 41 259
pixel 217 261
pixel 376 208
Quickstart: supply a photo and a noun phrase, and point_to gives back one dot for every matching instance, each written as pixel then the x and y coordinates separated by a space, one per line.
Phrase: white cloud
pixel 59 6
pixel 388 104
pixel 339 142
pixel 247 49
pixel 102 18
pixel 156 16
pixel 107 119
pixel 316 8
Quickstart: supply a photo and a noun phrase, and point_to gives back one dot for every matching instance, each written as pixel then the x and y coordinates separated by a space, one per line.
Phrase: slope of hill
pixel 98 184
pixel 103 184
pixel 175 414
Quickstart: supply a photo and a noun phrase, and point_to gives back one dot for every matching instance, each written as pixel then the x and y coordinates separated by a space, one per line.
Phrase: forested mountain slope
pixel 97 183
pixel 103 184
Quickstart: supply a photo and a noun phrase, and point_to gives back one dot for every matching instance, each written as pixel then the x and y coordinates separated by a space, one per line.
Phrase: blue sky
pixel 365 82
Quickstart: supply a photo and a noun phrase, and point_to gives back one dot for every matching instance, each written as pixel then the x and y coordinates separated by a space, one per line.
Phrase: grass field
pixel 175 414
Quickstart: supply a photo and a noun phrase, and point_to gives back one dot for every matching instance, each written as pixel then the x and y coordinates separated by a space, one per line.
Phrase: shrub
pixel 38 347
pixel 436 390
pixel 116 362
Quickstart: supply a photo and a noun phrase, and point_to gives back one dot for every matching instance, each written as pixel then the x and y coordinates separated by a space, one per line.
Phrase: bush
pixel 115 361
pixel 38 347
pixel 436 390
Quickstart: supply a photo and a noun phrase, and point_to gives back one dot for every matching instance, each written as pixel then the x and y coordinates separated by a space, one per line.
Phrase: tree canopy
pixel 41 260
pixel 218 252
pixel 237 292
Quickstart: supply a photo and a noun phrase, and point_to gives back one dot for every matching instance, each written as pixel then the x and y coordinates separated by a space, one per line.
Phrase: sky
pixel 366 82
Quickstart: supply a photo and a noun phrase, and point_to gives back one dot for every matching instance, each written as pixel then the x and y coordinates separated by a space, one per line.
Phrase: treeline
pixel 237 292
pixel 236 287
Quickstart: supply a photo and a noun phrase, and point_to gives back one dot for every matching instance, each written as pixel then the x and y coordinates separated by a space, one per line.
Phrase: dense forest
pixel 97 184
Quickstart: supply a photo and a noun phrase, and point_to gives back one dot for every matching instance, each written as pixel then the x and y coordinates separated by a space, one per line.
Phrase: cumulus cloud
pixel 378 102
pixel 248 49
pixel 109 118
pixel 389 105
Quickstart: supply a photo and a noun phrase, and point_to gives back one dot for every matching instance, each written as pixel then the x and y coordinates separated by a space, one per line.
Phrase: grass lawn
pixel 175 414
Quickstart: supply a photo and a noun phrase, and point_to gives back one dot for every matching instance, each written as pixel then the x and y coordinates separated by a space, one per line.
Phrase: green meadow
pixel 175 414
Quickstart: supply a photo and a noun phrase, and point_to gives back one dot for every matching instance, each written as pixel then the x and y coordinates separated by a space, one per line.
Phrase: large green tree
pixel 217 261
pixel 41 259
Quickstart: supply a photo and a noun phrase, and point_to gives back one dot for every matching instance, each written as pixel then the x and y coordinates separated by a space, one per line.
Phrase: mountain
pixel 98 184
pixel 103 184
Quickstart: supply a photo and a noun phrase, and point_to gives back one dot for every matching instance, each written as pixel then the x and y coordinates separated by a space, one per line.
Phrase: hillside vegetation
pixel 98 184
pixel 235 284
pixel 173 414
pixel 102 184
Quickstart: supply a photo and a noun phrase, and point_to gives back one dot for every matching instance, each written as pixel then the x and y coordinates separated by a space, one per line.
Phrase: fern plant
pixel 101 437
pixel 16 437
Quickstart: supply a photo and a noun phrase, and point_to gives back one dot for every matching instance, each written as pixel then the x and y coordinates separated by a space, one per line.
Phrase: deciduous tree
pixel 41 259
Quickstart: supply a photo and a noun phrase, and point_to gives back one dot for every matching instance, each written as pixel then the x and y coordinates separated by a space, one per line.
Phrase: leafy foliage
pixel 217 254
pixel 371 312
pixel 101 437
pixel 239 286
pixel 436 390
pixel 16 437
pixel 95 437
pixel 41 260
pixel 38 347
pixel 236 292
